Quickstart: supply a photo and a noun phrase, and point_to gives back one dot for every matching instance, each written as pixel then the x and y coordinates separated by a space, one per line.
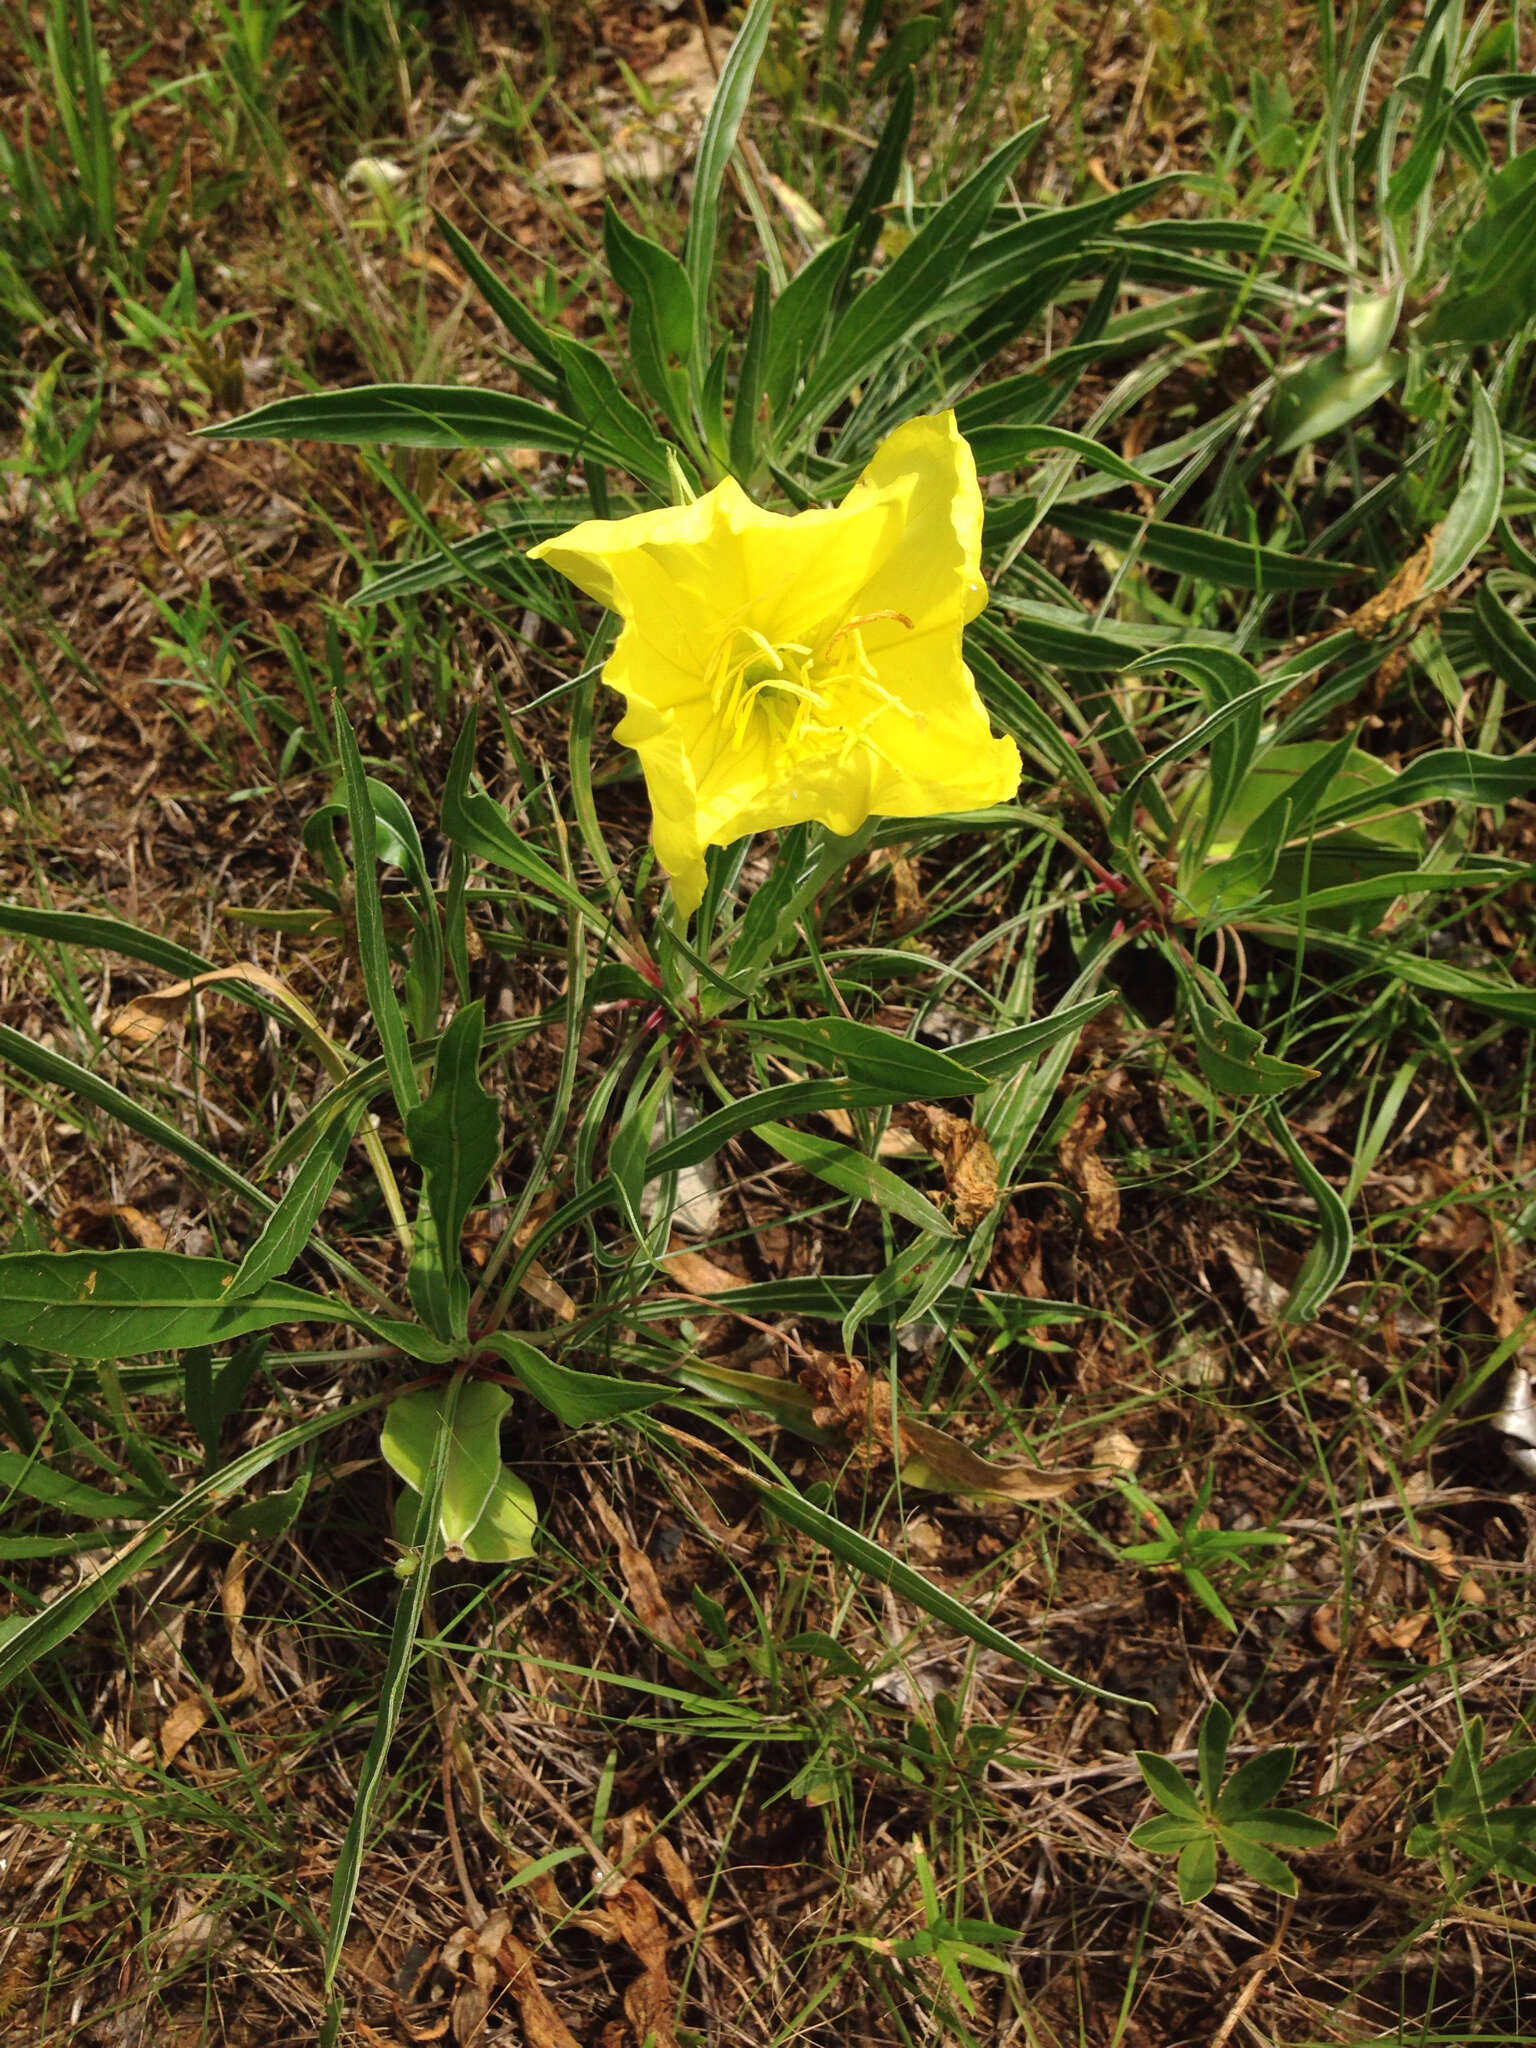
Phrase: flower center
pixel 791 693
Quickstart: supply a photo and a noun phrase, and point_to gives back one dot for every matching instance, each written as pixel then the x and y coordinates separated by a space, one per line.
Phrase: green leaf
pixel 455 1138
pixel 1504 643
pixel 615 422
pixel 52 1068
pixel 877 1563
pixel 1231 1053
pixel 402 1643
pixel 716 146
pixel 884 313
pixel 749 385
pixel 660 312
pixel 1197 1870
pixel 509 309
pixel 1492 284
pixel 1255 1784
pixel 841 1166
pixel 1474 510
pixel 1327 394
pixel 1164 1834
pixel 1169 1787
pixel 368 912
pixel 414 416
pixel 412 1426
pixel 1211 558
pixel 859 228
pixel 507 1526
pixel 23 1646
pixel 1260 1863
pixel 574 1398
pixel 1283 1824
pixel 292 1223
pixel 1328 1261
pixel 800 316
pixel 479 824
pixel 878 1058
pixel 29 1477
pixel 121 1304
pixel 1215 1735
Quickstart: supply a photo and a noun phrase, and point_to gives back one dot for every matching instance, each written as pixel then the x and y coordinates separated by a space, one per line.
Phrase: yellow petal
pixel 932 572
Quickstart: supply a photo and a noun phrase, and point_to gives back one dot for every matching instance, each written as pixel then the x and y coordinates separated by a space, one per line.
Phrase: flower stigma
pixel 795 696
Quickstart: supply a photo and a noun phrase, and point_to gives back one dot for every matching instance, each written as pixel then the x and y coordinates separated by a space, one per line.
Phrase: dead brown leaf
pixel 1080 1162
pixel 648 2002
pixel 848 1399
pixel 180 1725
pixel 698 1275
pixel 650 1603
pixel 969 1163
pixel 144 1230
pixel 542 2025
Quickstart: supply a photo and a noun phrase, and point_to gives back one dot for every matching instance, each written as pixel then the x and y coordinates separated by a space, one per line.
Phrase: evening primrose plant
pixel 863 591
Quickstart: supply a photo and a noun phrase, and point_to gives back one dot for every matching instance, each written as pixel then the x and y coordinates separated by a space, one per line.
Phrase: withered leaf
pixel 1080 1162
pixel 969 1163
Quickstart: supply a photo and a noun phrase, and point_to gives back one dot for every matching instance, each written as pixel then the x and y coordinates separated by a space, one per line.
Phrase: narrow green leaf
pixel 573 1398
pixel 1505 643
pixel 1474 510
pixel 877 1563
pixel 660 312
pixel 841 1166
pixel 292 1223
pixel 414 416
pixel 1328 1261
pixel 716 146
pixel 402 1643
pixel 368 911
pixel 1211 558
pixel 884 313
pixel 455 1138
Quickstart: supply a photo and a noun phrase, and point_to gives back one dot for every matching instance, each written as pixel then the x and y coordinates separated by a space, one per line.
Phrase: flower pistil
pixel 802 698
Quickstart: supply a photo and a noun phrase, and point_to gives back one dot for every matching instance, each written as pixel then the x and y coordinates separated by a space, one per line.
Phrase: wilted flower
pixel 780 669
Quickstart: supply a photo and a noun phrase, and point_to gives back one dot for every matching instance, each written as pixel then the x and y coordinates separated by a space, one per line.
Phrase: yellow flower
pixel 780 669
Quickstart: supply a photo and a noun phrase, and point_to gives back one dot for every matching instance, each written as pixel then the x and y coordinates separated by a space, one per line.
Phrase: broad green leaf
pixel 1327 394
pixel 1197 1870
pixel 455 1138
pixel 1168 1786
pixel 1260 1863
pixel 415 416
pixel 412 1426
pixel 121 1304
pixel 1449 775
pixel 574 1398
pixel 610 416
pixel 1492 285
pixel 1232 1056
pixel 1474 510
pixel 1215 1736
pixel 507 1526
pixel 800 316
pixel 1255 1784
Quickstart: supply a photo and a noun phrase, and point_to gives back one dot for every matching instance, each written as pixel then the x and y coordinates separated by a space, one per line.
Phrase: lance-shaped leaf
pixel 455 1138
